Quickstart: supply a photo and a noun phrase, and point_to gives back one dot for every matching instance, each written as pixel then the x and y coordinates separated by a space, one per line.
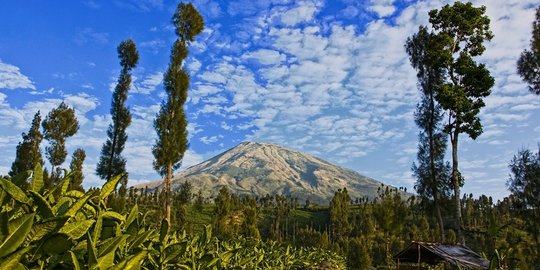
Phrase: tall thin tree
pixel 111 162
pixel 170 122
pixel 529 61
pixel 459 32
pixel 76 167
pixel 431 171
pixel 28 153
pixel 59 124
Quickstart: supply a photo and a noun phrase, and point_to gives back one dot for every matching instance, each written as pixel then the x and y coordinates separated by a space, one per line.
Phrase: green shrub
pixel 61 229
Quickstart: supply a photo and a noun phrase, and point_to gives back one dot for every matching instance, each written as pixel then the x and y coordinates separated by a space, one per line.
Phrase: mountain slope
pixel 255 168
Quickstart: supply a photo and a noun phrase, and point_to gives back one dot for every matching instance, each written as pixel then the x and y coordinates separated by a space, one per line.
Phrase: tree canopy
pixel 59 124
pixel 28 153
pixel 529 62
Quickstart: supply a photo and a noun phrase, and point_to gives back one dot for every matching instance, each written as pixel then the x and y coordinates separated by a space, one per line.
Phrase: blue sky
pixel 330 78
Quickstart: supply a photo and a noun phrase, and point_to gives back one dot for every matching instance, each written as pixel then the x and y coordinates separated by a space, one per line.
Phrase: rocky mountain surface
pixel 255 168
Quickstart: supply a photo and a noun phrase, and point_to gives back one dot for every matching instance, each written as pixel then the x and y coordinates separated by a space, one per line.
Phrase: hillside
pixel 255 168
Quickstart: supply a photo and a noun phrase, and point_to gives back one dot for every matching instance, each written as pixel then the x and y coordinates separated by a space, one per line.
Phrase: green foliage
pixel 251 212
pixel 171 123
pixel 528 64
pixel 28 153
pixel 222 221
pixel 432 173
pixel 59 124
pixel 188 22
pixel 75 230
pixel 524 183
pixel 458 35
pixel 76 166
pixel 340 214
pixel 111 161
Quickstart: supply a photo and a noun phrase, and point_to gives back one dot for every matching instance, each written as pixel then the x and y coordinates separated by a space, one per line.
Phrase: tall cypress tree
pixel 28 153
pixel 431 171
pixel 171 123
pixel 59 124
pixel 111 162
pixel 529 61
pixel 459 32
pixel 76 167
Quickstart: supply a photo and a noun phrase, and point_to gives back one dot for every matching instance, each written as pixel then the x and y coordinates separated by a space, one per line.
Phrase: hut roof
pixel 435 253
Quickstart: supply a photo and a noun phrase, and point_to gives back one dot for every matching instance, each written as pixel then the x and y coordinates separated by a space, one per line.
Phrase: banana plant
pixel 69 229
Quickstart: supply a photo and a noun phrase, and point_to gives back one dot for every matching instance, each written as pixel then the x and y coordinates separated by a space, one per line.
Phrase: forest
pixel 49 221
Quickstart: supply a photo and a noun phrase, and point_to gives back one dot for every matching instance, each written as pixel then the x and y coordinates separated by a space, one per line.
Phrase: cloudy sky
pixel 330 78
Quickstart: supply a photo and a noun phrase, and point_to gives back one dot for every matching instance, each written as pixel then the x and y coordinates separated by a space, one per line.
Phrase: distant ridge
pixel 256 168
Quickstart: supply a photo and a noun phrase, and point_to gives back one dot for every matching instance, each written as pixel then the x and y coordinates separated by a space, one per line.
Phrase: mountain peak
pixel 259 168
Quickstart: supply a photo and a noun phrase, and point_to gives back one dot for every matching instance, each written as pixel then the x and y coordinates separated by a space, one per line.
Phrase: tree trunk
pixel 434 189
pixel 455 181
pixel 168 193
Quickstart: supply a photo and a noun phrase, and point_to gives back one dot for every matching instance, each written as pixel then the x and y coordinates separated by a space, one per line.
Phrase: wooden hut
pixel 435 253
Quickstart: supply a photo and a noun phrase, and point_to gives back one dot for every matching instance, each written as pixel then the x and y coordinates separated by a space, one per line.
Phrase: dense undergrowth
pixel 59 228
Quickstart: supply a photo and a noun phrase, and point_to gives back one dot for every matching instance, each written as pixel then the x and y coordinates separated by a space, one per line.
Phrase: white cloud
pixel 153 46
pixel 383 8
pixel 225 126
pixel 194 66
pixel 148 84
pixel 265 56
pixel 208 140
pixel 12 78
pixel 304 12
pixel 348 93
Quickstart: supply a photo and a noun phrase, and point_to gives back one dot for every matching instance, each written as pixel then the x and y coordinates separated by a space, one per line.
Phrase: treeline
pixel 366 232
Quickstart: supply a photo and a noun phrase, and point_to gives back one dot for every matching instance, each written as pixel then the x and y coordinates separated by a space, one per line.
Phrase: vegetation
pixel 111 162
pixel 529 62
pixel 76 166
pixel 459 32
pixel 171 123
pixel 28 152
pixel 74 230
pixel 59 124
pixel 432 172
pixel 373 230
pixel 57 225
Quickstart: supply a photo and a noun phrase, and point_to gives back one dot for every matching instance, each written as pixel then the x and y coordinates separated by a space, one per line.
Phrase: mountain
pixel 255 168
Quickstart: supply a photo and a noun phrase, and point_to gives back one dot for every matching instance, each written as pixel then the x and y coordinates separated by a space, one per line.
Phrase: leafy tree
pixel 222 211
pixel 59 124
pixel 279 215
pixel 76 167
pixel 432 173
pixel 28 153
pixel 111 162
pixel 181 199
pixel 199 201
pixel 459 32
pixel 251 214
pixel 524 183
pixel 171 123
pixel 185 193
pixel 529 62
pixel 358 257
pixel 339 213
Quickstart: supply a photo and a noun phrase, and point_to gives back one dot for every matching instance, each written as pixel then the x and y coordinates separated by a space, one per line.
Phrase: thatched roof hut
pixel 435 253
